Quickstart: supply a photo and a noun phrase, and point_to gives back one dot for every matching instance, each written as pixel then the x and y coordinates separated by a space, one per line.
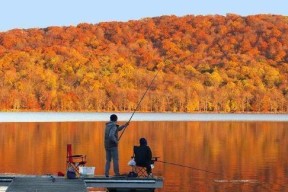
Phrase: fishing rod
pixel 187 167
pixel 139 103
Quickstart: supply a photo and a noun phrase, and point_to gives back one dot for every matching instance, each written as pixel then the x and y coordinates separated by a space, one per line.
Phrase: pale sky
pixel 40 14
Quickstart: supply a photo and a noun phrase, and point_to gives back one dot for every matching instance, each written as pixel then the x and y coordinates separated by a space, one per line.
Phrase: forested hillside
pixel 206 64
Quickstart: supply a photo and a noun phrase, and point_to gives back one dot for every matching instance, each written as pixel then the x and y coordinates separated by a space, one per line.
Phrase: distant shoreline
pixel 104 116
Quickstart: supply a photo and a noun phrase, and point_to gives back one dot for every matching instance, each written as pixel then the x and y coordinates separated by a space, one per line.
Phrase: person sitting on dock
pixel 143 156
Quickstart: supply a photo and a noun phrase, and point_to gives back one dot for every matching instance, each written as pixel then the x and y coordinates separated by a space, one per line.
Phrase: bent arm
pixel 122 126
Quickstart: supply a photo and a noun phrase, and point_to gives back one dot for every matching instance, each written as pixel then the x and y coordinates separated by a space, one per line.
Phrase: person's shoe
pixel 150 175
pixel 107 176
pixel 120 175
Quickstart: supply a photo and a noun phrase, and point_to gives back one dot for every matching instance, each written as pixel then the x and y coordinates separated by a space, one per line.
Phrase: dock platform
pixel 62 184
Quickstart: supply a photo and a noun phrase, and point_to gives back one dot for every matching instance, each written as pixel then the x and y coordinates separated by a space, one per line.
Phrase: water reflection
pixel 235 150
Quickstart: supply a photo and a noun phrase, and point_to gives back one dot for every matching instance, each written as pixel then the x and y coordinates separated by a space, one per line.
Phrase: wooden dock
pixel 45 184
pixel 61 184
pixel 125 183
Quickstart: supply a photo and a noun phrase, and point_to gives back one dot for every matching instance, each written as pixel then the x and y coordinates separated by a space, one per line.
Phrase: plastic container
pixel 87 171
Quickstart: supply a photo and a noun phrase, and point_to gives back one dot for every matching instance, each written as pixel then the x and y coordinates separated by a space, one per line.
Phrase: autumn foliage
pixel 206 64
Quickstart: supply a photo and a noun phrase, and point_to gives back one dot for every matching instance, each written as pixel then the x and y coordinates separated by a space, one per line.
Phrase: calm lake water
pixel 232 156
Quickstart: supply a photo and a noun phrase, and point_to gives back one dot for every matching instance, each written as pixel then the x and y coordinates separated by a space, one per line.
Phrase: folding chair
pixel 73 162
pixel 140 157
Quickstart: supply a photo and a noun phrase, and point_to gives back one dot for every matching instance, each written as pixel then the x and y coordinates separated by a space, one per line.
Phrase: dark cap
pixel 113 117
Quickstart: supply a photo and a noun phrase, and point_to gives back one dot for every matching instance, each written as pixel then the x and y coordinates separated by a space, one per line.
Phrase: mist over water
pixel 90 116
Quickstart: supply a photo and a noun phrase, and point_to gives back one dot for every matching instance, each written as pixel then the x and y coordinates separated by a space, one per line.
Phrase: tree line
pixel 205 64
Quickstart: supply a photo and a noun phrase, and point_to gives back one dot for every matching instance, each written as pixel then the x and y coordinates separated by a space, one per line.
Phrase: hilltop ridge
pixel 206 63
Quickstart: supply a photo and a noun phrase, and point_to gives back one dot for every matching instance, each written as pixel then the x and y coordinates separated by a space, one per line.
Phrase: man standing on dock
pixel 111 144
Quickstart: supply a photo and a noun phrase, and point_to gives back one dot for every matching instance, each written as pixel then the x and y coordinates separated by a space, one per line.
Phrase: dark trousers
pixel 112 153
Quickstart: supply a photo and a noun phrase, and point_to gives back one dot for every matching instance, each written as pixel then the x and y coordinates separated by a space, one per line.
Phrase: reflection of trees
pixel 235 150
pixel 251 150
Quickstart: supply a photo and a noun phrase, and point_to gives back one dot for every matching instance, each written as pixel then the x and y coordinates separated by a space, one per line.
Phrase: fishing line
pixel 185 166
pixel 243 181
pixel 233 181
pixel 139 104
pixel 265 185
